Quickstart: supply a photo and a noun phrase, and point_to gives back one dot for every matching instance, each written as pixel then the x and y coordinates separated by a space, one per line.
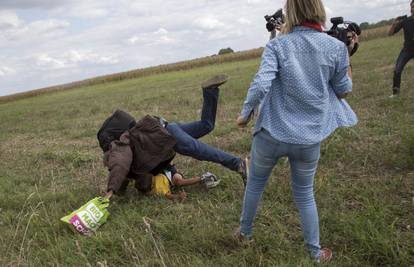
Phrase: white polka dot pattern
pixel 297 84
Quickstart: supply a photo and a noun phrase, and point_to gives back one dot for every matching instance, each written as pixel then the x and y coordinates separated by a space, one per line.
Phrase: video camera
pixel 336 31
pixel 274 20
pixel 401 17
pixel 341 32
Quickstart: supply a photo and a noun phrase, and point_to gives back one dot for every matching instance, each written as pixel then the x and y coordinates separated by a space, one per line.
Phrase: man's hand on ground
pixel 109 194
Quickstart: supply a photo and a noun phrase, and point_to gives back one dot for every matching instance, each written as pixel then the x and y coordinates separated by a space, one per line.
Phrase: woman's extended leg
pixel 189 146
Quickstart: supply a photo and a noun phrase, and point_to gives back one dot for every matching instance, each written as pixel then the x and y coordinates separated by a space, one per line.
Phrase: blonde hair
pixel 298 11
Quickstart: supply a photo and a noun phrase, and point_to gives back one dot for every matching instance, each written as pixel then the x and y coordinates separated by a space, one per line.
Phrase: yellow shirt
pixel 160 185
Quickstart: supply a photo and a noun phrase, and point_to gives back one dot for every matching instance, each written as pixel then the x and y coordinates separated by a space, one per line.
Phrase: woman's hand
pixel 241 122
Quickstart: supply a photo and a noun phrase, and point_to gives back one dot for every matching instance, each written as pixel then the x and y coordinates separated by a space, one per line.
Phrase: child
pixel 167 179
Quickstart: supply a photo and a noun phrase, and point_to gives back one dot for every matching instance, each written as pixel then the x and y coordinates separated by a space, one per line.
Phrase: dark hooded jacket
pixel 139 151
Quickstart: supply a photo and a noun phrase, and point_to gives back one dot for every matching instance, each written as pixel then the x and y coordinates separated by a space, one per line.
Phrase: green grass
pixel 50 164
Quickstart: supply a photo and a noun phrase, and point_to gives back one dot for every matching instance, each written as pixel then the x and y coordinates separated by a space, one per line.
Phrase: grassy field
pixel 50 164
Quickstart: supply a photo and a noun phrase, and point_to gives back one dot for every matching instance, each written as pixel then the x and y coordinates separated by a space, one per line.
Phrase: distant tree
pixel 382 23
pixel 225 51
pixel 364 25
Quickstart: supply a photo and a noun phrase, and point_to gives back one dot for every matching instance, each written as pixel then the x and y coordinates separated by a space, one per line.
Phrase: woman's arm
pixel 341 81
pixel 260 85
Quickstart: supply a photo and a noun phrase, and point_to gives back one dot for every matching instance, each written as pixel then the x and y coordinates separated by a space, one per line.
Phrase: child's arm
pixel 178 179
pixel 180 196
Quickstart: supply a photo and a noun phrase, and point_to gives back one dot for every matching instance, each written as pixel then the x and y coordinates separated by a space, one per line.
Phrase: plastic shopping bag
pixel 88 218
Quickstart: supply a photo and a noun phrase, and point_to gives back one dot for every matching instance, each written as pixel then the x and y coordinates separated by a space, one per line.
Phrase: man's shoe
pixel 395 92
pixel 209 180
pixel 214 81
pixel 244 170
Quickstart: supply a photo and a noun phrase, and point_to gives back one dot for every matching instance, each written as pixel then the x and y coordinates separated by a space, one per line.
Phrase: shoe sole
pixel 215 81
pixel 327 258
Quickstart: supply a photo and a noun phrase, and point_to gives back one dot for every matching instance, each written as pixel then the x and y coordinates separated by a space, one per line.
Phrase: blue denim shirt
pixel 299 78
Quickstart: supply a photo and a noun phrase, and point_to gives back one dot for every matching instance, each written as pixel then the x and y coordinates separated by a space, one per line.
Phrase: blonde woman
pixel 302 80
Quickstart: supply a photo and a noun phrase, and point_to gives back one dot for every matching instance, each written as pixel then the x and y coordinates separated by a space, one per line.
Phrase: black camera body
pixel 402 17
pixel 339 29
pixel 273 20
pixel 341 32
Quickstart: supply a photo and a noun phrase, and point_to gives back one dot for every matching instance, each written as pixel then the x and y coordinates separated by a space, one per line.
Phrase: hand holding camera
pixel 348 33
pixel 353 42
pixel 275 21
pixel 400 18
pixel 345 31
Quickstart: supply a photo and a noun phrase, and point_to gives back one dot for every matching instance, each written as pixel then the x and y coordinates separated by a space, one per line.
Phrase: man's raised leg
pixel 204 126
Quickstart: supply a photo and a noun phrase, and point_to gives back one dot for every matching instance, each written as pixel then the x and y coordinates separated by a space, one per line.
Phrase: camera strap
pixel 313 25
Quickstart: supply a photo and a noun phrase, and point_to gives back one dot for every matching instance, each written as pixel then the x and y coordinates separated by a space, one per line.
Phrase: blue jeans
pixel 303 160
pixel 403 58
pixel 186 134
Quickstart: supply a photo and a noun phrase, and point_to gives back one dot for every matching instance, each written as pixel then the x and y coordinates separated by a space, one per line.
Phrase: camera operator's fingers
pixel 279 26
pixel 396 20
pixel 351 35
pixel 352 39
pixel 356 38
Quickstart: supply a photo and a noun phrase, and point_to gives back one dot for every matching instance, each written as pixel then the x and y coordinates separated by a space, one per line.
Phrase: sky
pixel 51 42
